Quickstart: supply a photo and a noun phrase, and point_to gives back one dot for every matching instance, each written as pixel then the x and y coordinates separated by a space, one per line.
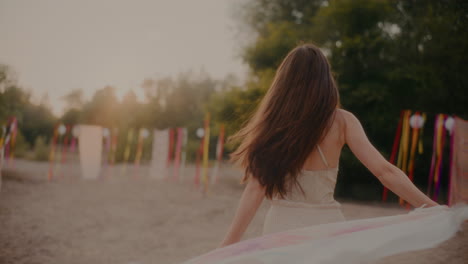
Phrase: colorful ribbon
pixel 171 148
pixel 206 145
pixel 437 157
pixel 52 153
pixel 414 145
pixel 403 153
pixel 184 154
pixel 440 152
pixel 11 146
pixel 178 153
pixel 127 150
pixel 196 180
pixel 139 152
pixel 219 155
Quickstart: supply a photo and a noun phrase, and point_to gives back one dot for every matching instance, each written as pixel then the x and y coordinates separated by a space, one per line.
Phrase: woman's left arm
pixel 250 200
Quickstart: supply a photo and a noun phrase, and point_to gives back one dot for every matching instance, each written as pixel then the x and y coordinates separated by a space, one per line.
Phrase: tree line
pixel 387 56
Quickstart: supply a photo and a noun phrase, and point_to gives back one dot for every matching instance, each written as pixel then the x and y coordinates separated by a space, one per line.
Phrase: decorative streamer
pixel 416 122
pixel 113 148
pixel 144 133
pixel 438 136
pixel 438 164
pixel 6 150
pixel 62 130
pixel 206 145
pixel 396 141
pixel 3 141
pixel 2 137
pixel 403 158
pixel 440 151
pixel 180 139
pixel 158 168
pixel 184 154
pixel 171 148
pixel 200 134
pixel 197 164
pixel 406 141
pixel 52 153
pixel 127 150
pixel 437 157
pixel 106 137
pixel 402 141
pixel 64 147
pixel 74 138
pixel 421 134
pixel 12 143
pixel 434 154
pixel 139 149
pixel 219 155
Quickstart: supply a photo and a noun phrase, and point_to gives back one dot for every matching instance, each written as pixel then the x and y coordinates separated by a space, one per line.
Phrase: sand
pixel 129 219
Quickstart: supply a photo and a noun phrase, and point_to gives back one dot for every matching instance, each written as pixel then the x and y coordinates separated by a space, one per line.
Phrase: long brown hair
pixel 292 118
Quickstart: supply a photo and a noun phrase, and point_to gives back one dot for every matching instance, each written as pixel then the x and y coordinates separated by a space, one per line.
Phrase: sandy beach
pixel 137 219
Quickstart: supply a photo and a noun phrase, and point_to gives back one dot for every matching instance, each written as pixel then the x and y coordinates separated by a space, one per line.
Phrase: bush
pixel 21 147
pixel 41 149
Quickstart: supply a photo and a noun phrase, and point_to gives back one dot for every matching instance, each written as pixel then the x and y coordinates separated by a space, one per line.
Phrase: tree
pixel 73 100
pixel 102 109
pixel 386 55
pixel 33 120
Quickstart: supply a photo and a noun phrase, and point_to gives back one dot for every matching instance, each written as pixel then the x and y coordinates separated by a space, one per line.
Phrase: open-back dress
pixel 307 226
pixel 314 204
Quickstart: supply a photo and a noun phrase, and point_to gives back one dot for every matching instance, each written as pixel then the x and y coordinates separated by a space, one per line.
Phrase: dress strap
pixel 322 156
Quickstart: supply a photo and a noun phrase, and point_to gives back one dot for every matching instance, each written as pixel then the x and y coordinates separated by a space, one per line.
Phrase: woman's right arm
pixel 250 201
pixel 388 174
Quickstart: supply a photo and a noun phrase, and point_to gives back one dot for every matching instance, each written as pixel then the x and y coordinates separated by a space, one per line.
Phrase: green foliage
pixel 71 116
pixel 268 51
pixel 21 146
pixel 102 109
pixel 33 120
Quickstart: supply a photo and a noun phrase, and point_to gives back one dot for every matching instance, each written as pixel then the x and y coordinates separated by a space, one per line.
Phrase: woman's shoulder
pixel 346 117
pixel 347 123
pixel 345 114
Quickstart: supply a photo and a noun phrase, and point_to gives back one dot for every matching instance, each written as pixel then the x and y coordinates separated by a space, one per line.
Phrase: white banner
pixel 159 156
pixel 90 147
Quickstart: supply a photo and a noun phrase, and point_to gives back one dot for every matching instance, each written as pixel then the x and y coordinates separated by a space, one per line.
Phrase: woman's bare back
pixel 331 146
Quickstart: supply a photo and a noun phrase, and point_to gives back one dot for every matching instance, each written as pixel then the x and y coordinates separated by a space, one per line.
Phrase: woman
pixel 290 150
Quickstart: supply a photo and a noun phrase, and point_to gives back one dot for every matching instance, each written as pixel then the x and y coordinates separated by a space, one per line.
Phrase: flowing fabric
pixel 357 241
pixel 90 147
pixel 312 203
pixel 159 161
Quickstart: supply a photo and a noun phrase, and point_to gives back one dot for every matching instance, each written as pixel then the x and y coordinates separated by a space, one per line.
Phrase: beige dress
pixel 315 206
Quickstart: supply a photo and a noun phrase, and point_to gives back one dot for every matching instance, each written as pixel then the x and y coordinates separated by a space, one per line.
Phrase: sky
pixel 55 46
